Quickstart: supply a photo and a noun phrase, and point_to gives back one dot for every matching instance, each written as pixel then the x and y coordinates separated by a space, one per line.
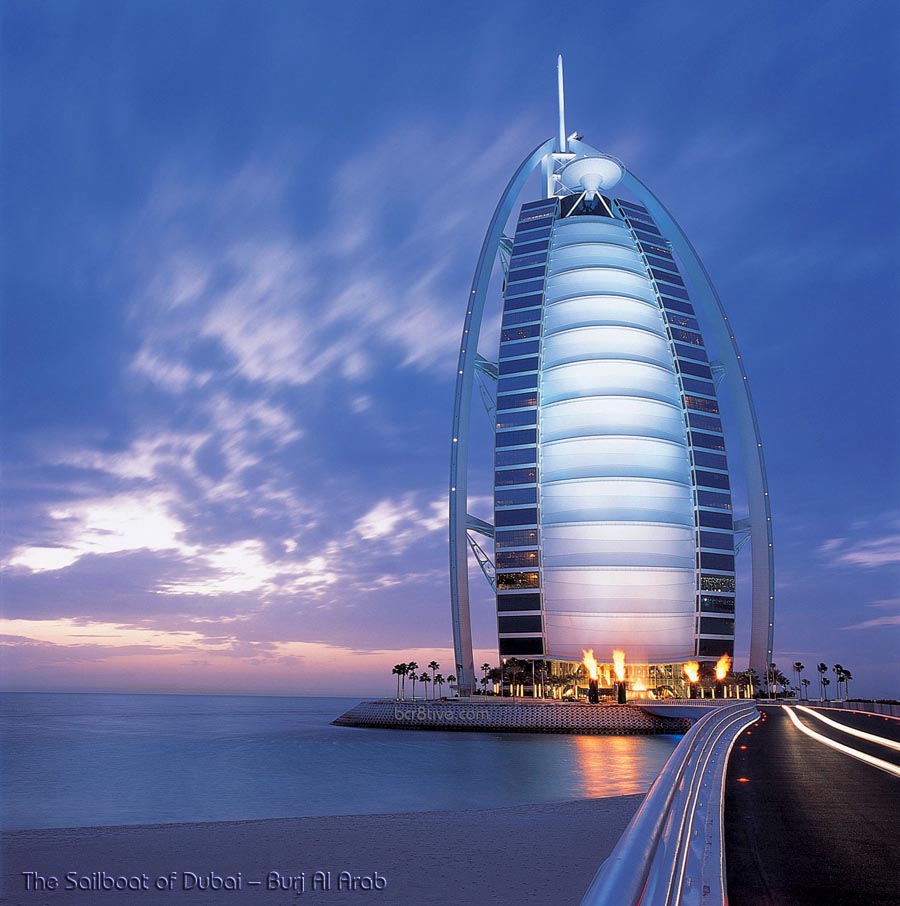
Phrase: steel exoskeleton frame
pixel 705 296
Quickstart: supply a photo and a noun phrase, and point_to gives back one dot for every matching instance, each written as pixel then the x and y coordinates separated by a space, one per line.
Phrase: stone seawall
pixel 511 717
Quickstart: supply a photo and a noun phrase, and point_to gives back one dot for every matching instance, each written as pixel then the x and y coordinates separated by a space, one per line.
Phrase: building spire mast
pixel 563 143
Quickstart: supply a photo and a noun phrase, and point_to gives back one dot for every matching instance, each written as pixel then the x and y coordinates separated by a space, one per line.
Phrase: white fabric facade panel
pixel 616 510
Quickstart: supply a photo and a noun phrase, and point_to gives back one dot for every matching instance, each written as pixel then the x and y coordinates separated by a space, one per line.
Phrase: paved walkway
pixel 806 824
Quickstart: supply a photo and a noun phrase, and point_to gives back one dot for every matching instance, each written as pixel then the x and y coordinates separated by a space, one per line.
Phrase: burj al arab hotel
pixel 613 520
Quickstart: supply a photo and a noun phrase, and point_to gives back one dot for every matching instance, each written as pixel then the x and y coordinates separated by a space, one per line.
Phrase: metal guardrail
pixel 672 852
pixel 884 709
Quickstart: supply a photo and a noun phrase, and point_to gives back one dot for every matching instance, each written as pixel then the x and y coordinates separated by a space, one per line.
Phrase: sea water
pixel 72 760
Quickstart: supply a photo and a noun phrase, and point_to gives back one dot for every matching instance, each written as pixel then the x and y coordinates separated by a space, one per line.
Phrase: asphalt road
pixel 805 824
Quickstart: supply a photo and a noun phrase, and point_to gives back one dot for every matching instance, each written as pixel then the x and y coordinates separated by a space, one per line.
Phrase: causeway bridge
pixel 773 804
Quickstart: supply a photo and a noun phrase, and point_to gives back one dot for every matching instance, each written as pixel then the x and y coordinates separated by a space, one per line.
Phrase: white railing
pixel 671 852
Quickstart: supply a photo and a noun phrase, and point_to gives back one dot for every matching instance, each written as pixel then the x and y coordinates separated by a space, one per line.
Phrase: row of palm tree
pixel 404 671
pixel 841 674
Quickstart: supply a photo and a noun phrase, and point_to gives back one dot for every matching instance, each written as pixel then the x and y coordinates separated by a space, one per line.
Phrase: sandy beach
pixel 539 854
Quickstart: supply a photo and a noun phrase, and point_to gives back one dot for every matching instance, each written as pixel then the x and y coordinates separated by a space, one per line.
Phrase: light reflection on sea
pixel 75 760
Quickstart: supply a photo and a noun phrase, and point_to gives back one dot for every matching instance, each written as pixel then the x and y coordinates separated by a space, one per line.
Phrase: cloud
pixel 245 567
pixel 125 522
pixel 400 522
pixel 377 280
pixel 869 554
pixel 890 620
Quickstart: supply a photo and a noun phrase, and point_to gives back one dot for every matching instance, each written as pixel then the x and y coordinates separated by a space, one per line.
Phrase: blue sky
pixel 236 244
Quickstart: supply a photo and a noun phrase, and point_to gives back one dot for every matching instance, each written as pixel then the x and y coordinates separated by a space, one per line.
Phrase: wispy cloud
pixel 869 554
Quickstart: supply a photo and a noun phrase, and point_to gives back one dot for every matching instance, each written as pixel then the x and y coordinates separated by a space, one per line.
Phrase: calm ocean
pixel 76 760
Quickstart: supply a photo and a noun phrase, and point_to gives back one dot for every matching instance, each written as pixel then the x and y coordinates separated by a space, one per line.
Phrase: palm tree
pixel 485 670
pixel 439 679
pixel 798 669
pixel 399 671
pixel 484 682
pixel 403 670
pixel 433 666
pixel 412 667
pixel 425 679
pixel 847 677
pixel 839 677
pixel 823 669
pixel 825 684
pixel 805 683
pixel 452 679
pixel 779 679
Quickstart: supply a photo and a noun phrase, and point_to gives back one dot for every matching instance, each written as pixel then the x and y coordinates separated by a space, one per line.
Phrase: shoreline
pixel 525 854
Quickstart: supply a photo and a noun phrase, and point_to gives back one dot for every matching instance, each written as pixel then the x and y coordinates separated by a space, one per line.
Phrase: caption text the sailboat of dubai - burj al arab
pixel 613 523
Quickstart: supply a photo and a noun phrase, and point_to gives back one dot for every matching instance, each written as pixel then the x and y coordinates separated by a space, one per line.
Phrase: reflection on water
pixel 619 765
pixel 70 760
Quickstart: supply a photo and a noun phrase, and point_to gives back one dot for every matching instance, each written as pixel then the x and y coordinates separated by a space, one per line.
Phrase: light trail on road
pixel 840 747
pixel 889 743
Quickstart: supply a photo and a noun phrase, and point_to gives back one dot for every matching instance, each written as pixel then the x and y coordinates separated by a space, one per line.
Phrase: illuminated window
pixel 717 583
pixel 510 559
pixel 518 580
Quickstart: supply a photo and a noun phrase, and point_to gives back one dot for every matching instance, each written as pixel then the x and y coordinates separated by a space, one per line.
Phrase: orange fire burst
pixel 590 663
pixel 723 665
pixel 619 664
pixel 692 671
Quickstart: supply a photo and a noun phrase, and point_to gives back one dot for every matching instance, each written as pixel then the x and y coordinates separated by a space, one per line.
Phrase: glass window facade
pixel 707 441
pixel 525 273
pixel 714 500
pixel 666 277
pixel 694 368
pixel 515 476
pixel 518 348
pixel 524 302
pixel 524 623
pixel 684 307
pixel 519 382
pixel 515 457
pixel 714 520
pixel 518 559
pixel 516 517
pixel 516 419
pixel 716 604
pixel 516 538
pixel 711 479
pixel 715 647
pixel 690 352
pixel 524 288
pixel 518 580
pixel 532 247
pixel 687 336
pixel 528 601
pixel 528 260
pixel 707 422
pixel 703 405
pixel 512 334
pixel 515 496
pixel 517 400
pixel 515 438
pixel 521 647
pixel 676 291
pixel 716 626
pixel 716 561
pixel 681 320
pixel 694 385
pixel 710 460
pixel 717 583
pixel 514 366
pixel 717 540
pixel 511 318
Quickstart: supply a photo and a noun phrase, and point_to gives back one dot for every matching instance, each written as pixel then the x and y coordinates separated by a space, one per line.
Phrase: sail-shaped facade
pixel 613 516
